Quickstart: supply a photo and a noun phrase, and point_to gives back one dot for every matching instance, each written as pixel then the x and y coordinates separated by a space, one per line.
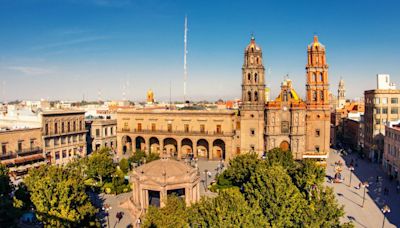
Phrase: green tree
pixel 271 188
pixel 100 165
pixel 8 214
pixel 228 209
pixel 239 171
pixel 22 197
pixel 59 197
pixel 308 175
pixel 278 156
pixel 137 157
pixel 152 157
pixel 174 214
pixel 124 165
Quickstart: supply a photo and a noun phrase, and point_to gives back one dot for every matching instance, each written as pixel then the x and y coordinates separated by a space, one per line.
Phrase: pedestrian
pixel 398 188
pixel 138 222
pixel 377 179
pixel 209 174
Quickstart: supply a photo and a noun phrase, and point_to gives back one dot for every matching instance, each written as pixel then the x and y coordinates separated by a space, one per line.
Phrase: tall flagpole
pixel 184 61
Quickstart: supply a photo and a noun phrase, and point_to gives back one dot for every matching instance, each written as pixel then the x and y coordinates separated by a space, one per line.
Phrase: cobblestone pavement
pixel 370 215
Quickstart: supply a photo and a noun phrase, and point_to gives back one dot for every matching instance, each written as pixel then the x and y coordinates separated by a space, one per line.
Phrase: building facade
pixel 64 135
pixel 381 107
pixel 101 133
pixel 341 94
pixel 180 133
pixel 21 149
pixel 391 155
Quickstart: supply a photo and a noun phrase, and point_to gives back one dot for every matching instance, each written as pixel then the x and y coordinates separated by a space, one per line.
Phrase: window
pixel 3 148
pixel 378 111
pixel 284 127
pixel 394 100
pixel 219 130
pixel 384 110
pixel 139 126
pixel 314 95
pixel 64 153
pixel 314 77
pixel 62 127
pixel 63 140
pixel 252 132
pixel 317 148
pixel 202 128
pixel 69 127
pixel 47 142
pixel 19 145
pixel 55 128
pixel 111 130
pixel 249 77
pixel 169 127
pixel 317 132
pixel 255 96
pixel 321 78
pixel 74 126
pixel 376 101
pixel 252 148
pixel 186 126
pixel 46 129
pixel 153 127
pixel 321 95
pixel 384 100
pixel 249 96
pixel 238 125
pixel 255 76
pixel 394 111
pixel 378 121
pixel 57 154
pixel 80 125
pixel 32 143
pixel 105 131
pixel 97 132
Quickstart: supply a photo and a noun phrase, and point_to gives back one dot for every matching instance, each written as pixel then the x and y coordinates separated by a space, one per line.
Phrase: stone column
pixel 133 147
pixel 195 152
pixel 161 141
pixel 179 148
pixel 210 149
pixel 148 149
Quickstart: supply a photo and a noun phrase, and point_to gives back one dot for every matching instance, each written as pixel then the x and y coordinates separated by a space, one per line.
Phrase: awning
pixel 324 156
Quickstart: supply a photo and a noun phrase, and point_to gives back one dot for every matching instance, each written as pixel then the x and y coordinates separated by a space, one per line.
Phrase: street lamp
pixel 385 210
pixel 351 168
pixel 364 185
pixel 106 208
pixel 205 174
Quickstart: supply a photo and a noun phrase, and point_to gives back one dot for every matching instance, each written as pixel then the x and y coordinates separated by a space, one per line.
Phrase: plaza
pixel 352 198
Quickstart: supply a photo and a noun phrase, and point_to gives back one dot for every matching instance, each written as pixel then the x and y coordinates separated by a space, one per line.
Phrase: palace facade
pixel 288 122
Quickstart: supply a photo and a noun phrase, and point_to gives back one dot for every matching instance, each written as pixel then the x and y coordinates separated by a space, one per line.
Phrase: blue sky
pixel 67 49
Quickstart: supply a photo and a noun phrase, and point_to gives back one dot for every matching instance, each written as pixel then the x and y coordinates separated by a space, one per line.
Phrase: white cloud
pixel 31 70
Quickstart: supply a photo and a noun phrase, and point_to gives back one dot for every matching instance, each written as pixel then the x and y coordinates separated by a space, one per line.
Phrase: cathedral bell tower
pixel 318 112
pixel 253 100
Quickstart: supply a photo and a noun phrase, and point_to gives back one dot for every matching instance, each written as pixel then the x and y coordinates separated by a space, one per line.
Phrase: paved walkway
pixel 370 215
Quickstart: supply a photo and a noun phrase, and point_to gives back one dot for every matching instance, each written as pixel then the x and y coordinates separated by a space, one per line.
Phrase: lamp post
pixel 365 185
pixel 351 168
pixel 106 208
pixel 206 174
pixel 385 210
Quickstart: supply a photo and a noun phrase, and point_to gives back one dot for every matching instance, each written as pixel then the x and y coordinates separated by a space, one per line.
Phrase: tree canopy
pixel 59 197
pixel 7 210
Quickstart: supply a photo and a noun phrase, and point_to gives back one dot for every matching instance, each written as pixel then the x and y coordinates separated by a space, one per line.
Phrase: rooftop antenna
pixel 184 60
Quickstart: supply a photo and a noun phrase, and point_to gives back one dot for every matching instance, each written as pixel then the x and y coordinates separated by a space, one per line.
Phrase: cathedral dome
pixel 253 46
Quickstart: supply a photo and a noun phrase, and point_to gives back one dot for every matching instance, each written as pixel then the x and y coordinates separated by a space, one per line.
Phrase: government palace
pixel 288 122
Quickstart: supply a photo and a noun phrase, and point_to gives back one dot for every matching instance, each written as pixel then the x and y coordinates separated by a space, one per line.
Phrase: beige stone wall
pixel 30 138
pixel 207 134
pixel 252 132
pixel 61 142
pixel 318 120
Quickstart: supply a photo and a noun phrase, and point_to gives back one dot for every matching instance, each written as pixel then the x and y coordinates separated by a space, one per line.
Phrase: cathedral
pixel 288 122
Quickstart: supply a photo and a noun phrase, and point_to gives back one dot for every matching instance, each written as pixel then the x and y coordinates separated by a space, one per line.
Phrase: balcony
pixel 22 153
pixel 179 132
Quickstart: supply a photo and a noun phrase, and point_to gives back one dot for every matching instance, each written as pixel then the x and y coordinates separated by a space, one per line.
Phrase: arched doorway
pixel 154 145
pixel 126 144
pixel 171 147
pixel 187 148
pixel 140 143
pixel 202 148
pixel 218 149
pixel 284 146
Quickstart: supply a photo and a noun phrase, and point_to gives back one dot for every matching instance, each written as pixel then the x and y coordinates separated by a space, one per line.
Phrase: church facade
pixel 288 122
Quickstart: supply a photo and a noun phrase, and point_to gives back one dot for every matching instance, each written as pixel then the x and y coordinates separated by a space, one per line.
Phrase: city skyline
pixel 70 49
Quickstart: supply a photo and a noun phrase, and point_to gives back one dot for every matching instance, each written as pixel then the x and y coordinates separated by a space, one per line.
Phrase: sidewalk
pixel 370 215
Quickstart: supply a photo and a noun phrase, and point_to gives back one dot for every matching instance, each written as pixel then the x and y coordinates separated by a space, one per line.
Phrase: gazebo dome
pixel 166 171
